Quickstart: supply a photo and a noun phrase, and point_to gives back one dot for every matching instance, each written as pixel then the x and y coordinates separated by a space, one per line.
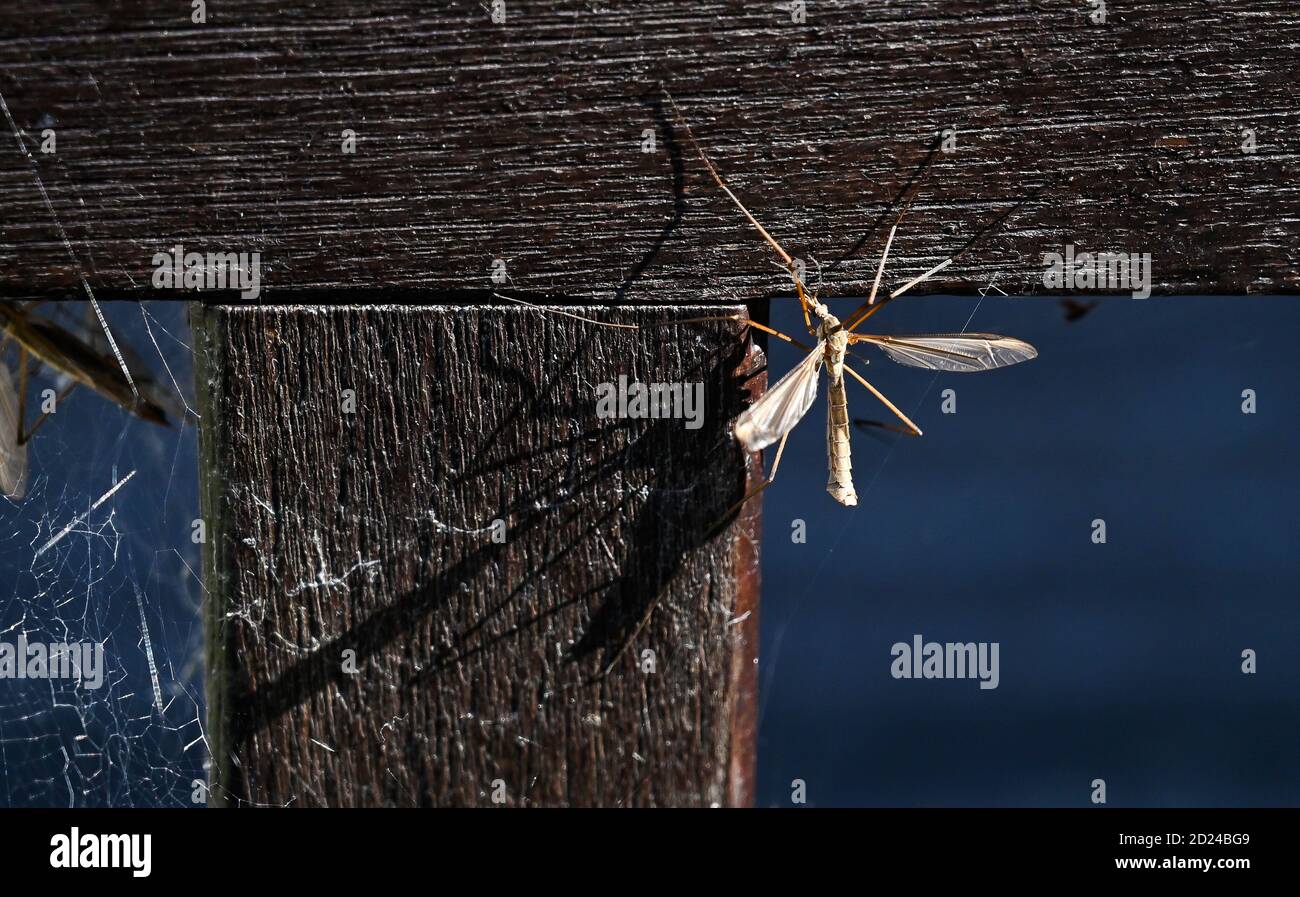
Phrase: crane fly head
pixel 832 331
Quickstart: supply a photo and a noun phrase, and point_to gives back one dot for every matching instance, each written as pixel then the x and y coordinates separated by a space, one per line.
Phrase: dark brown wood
pixel 370 532
pixel 522 141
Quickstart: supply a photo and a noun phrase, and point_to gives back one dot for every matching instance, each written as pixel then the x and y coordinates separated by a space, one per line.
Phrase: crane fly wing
pixel 13 457
pixel 959 352
pixel 782 406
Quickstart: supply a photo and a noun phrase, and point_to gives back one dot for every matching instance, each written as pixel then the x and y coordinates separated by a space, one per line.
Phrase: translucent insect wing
pixel 957 352
pixel 783 406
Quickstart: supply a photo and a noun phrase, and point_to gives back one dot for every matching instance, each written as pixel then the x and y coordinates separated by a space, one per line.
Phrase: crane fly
pixel 85 359
pixel 773 416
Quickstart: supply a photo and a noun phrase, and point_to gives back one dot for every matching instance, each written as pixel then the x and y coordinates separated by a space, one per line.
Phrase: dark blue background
pixel 1119 661
pixel 63 745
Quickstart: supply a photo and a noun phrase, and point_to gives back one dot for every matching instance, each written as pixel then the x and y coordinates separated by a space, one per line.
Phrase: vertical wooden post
pixel 426 547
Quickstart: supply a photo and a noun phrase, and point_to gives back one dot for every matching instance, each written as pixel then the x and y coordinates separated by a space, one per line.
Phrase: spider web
pixel 100 552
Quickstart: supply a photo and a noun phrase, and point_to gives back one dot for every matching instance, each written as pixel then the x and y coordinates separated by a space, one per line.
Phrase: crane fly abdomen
pixel 840 482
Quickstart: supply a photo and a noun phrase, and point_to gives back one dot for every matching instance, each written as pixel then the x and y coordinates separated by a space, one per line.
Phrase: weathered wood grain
pixel 362 541
pixel 522 141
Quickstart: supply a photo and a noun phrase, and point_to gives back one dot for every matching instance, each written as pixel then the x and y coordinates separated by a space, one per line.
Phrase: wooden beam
pixel 523 141
pixel 371 642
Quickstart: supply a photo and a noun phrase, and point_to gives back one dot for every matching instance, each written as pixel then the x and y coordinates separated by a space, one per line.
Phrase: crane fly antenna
pixel 860 312
pixel 979 235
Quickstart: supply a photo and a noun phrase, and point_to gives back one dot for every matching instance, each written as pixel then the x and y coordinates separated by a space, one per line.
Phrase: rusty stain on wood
pixel 744 661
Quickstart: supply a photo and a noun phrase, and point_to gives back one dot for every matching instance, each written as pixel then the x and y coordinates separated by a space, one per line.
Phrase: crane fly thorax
pixel 836 339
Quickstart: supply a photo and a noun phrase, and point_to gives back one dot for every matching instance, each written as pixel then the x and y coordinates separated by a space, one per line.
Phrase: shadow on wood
pixel 370 640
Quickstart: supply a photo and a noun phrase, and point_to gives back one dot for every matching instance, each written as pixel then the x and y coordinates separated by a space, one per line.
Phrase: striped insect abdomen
pixel 840 483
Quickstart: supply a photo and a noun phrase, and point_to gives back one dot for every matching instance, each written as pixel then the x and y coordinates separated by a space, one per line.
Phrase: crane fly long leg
pixel 785 256
pixel 58 400
pixel 864 310
pixel 748 323
pixel 668 323
pixel 907 421
pixel 979 235
pixel 771 241
pixel 880 271
pixel 24 367
pixel 779 335
pixel 859 313
pixel 922 278
pixel 753 493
